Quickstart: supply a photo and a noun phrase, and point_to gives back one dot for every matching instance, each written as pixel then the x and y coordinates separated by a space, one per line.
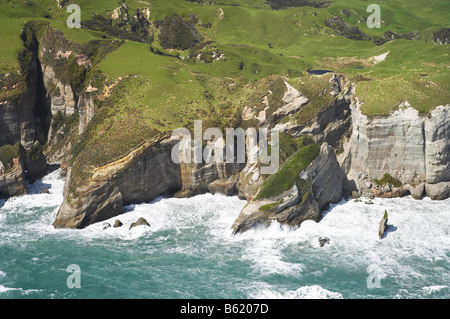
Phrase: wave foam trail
pixel 305 292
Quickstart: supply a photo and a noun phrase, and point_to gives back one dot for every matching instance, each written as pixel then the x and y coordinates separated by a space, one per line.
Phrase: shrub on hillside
pixel 442 36
pixel 177 33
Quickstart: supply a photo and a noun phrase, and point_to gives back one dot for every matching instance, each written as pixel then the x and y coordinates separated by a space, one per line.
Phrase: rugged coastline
pixel 65 108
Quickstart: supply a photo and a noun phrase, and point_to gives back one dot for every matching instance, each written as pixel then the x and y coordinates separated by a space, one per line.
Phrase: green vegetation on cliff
pixel 287 175
pixel 387 180
pixel 8 152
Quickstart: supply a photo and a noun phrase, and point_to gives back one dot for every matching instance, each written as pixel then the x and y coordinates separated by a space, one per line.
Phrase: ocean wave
pixel 5 290
pixel 431 289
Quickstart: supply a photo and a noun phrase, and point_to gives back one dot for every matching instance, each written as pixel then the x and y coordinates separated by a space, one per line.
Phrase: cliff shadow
pixel 328 208
pixel 37 186
pixel 131 207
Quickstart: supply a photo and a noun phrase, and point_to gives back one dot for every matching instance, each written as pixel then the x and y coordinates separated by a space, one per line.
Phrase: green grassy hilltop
pixel 184 60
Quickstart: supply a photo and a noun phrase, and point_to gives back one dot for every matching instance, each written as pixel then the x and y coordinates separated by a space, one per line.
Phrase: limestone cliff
pixel 411 148
pixel 407 147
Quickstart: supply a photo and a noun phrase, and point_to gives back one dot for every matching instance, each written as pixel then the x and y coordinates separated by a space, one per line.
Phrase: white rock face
pixel 293 102
pixel 379 58
pixel 63 102
pixel 437 142
pixel 87 111
pixel 410 147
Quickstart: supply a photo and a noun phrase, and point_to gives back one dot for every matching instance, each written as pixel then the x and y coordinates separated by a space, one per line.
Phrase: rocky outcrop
pixel 140 176
pixel 331 123
pixel 93 203
pixel 411 148
pixel 321 183
pixel 323 240
pixel 224 186
pixel 442 36
pixel 13 178
pixel 293 101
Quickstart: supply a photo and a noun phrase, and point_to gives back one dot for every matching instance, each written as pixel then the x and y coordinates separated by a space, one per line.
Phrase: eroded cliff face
pixel 141 176
pixel 62 97
pixel 411 148
pixel 52 102
pixel 25 121
pixel 149 171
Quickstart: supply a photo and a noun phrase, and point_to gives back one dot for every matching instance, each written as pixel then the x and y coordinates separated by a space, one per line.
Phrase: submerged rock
pixel 323 240
pixel 141 221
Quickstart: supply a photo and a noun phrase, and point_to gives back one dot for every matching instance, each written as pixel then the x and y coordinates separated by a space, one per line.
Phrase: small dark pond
pixel 319 72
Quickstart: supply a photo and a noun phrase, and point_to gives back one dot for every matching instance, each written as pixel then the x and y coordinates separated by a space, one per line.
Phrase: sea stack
pixel 383 225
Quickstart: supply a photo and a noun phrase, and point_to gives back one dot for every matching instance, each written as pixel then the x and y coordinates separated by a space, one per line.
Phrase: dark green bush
pixel 442 36
pixel 387 180
pixel 177 33
pixel 8 152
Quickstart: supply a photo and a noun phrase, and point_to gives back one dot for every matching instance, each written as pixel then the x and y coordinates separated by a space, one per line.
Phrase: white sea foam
pixel 305 292
pixel 215 212
pixel 25 204
pixel 4 289
pixel 429 290
pixel 415 228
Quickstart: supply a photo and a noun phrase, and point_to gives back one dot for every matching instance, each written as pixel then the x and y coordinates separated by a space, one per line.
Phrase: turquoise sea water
pixel 189 252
